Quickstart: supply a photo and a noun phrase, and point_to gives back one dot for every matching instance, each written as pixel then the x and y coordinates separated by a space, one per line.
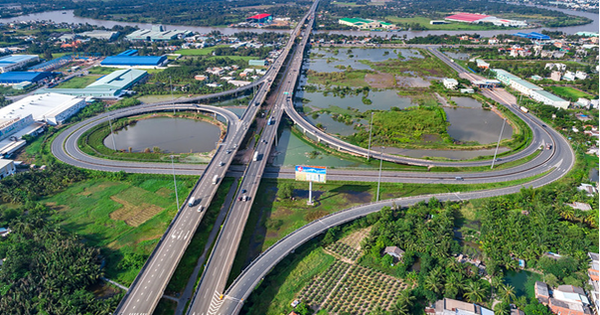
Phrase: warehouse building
pixel 30 114
pixel 549 99
pixel 260 18
pixel 533 91
pixel 100 34
pixel 147 62
pixel 12 62
pixel 260 63
pixel 7 168
pixel 20 77
pixel 158 33
pixel 111 86
pixel 476 18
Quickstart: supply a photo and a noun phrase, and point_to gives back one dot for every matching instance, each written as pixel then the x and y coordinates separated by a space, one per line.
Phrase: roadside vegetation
pixel 429 268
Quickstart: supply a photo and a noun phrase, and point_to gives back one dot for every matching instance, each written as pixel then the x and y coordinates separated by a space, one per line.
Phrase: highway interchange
pixel 211 296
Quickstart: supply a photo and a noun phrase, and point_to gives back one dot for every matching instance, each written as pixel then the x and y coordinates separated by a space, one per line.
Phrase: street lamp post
pixel 112 134
pixel 379 180
pixel 370 134
pixel 175 182
pixel 498 144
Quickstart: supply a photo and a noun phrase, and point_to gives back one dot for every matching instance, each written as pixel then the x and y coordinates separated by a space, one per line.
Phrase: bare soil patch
pixel 380 80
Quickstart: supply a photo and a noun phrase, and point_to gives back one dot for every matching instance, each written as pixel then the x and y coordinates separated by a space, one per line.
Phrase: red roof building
pixel 260 18
pixel 467 17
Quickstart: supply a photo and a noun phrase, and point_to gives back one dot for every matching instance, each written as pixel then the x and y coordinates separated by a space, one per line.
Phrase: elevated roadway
pixel 207 298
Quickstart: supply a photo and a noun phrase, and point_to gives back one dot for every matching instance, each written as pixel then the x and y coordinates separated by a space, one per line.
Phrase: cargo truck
pixel 255 158
pixel 215 179
pixel 191 202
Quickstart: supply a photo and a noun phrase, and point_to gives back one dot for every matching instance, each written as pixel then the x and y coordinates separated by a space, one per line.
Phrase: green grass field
pixel 102 70
pixel 569 93
pixel 124 218
pixel 199 52
pixel 78 82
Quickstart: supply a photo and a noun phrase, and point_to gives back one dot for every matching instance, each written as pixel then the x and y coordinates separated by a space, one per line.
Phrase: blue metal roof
pixel 22 76
pixel 133 61
pixel 129 52
pixel 532 35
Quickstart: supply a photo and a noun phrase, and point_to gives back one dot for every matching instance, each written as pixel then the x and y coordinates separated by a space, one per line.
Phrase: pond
pixel 523 282
pixel 483 126
pixel 327 60
pixel 172 135
pixel 291 151
pixel 457 55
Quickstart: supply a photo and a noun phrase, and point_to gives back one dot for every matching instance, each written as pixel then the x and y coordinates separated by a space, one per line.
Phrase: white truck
pixel 255 158
pixel 191 202
pixel 215 179
pixel 524 110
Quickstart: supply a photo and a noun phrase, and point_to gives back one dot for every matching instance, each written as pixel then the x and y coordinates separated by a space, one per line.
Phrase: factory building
pixel 12 62
pixel 19 77
pixel 260 18
pixel 549 99
pixel 110 86
pixel 120 61
pixel 30 114
pixel 533 91
pixel 158 33
pixel 100 34
pixel 476 18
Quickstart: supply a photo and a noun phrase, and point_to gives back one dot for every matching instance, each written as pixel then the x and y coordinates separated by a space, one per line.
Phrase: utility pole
pixel 172 99
pixel 498 144
pixel 379 180
pixel 370 134
pixel 175 182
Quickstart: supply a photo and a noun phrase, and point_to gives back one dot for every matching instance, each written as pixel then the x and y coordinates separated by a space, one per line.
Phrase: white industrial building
pixel 30 113
pixel 12 62
pixel 7 168
pixel 549 99
pixel 524 86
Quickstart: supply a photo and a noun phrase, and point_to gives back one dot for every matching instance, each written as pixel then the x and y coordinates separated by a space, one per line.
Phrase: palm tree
pixel 507 292
pixel 474 292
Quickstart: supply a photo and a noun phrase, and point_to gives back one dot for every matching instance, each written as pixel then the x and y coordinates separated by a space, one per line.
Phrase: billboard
pixel 311 173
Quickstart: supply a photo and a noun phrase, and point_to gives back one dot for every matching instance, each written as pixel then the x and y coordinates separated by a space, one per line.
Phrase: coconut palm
pixel 474 292
pixel 507 293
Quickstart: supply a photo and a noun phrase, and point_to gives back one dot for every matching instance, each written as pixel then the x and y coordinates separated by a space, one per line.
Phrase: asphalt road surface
pixel 207 298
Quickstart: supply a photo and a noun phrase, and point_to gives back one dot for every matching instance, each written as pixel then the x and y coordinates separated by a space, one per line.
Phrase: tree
pixel 474 292
pixel 286 191
pixel 507 293
pixel 502 309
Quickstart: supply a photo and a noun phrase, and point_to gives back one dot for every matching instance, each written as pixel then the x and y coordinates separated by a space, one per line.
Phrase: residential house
pixel 394 251
pixel 580 206
pixel 450 83
pixel 569 76
pixel 557 66
pixel 482 64
pixel 593 272
pixel 556 76
pixel 7 168
pixel 454 307
pixel 590 190
pixel 569 300
pixel 580 75
pixel 4 231
pixel 541 292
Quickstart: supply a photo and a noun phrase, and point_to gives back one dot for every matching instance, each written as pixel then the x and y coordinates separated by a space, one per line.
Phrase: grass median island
pixel 124 215
pixel 413 125
pixel 198 243
pixel 92 141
